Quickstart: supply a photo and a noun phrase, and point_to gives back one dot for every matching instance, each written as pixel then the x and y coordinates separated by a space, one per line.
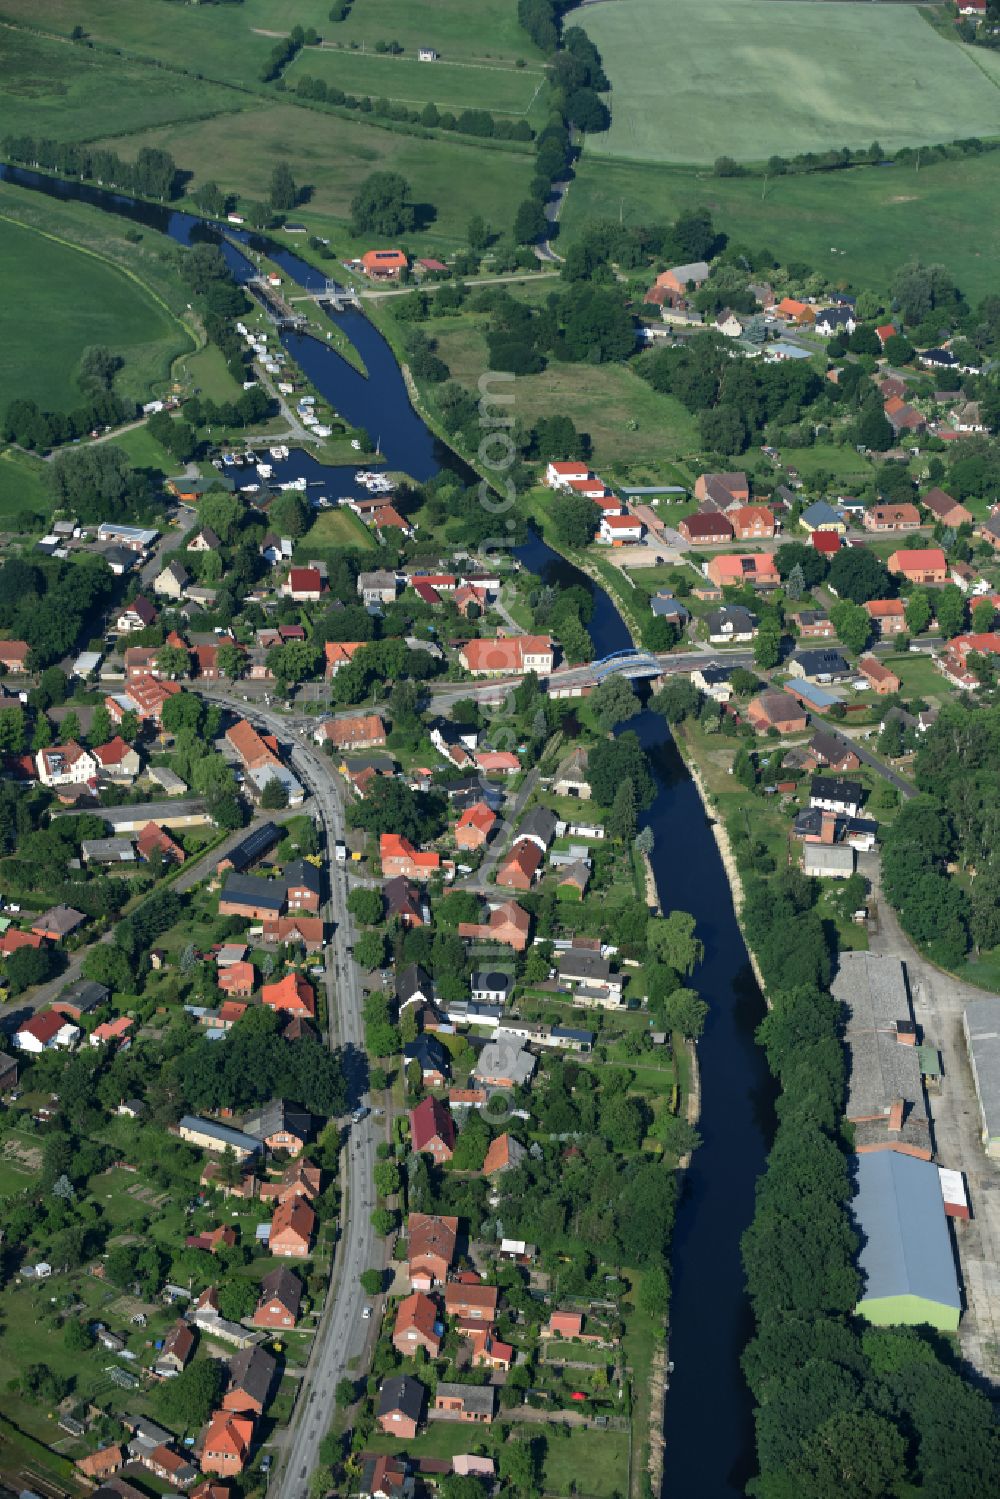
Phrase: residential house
pixel 304 585
pixel 731 625
pixel 946 509
pixel 111 1031
pixel 707 528
pixel 681 279
pixel 714 682
pixel 302 931
pixel 227 1443
pixel 238 980
pixel 726 491
pixel 879 678
pixel 903 417
pixel 736 569
pixel 954 659
pixel 473 828
pixel 884 332
pixel 825 665
pixel 430 1249
pixel 432 1130
pixel 208 1134
pixel 172 581
pixel 502 656
pixel 302 885
pixel 14 656
pixel 117 761
pixel 888 616
pixel 252 896
pixel 45 1031
pixel 831 321
pixel 292 995
pixel 571 775
pixel 462 1402
pixel 588 975
pixel 834 795
pixel 559 474
pixel 384 265
pixel 170 1466
pixel 251 1380
pixel 280 1125
pixel 827 543
pixel 777 710
pixel 508 924
pixel 751 522
pixel 204 540
pixel 252 749
pixel 378 587
pixel 814 624
pixel 520 866
pixel 292 1229
pixel 828 861
pixel 430 1055
pixel 665 606
pixel 989 531
pixel 400 1406
pixel 144 698
pixel 100 1465
pixel 400 858
pixel 107 851
pixel 821 516
pixel 471 1300
pixel 355 732
pixel 385 1476
pixel 138 615
pixel 340 653
pixel 790 310
pixel 488 1351
pixel 831 752
pixel 404 903
pixel 923 566
pixel 413 987
pixel 66 764
pixel 505 1154
pixel 417 1326
pixel 493 988
pixel 504 1062
pixel 891 518
pixel 154 840
pixel 620 530
pixel 280 1300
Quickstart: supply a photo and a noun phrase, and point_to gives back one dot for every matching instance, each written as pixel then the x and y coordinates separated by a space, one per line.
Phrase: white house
pixel 558 475
pixel 172 581
pixel 426 54
pixel 135 616
pixel 833 320
pixel 620 530
pixel 44 1032
pixel 65 765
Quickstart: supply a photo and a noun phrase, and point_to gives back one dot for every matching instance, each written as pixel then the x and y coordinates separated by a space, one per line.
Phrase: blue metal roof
pixel 818 697
pixel 899 1211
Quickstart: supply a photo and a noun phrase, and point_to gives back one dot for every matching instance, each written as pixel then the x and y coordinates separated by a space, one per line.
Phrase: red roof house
pixel 293 994
pixel 432 1130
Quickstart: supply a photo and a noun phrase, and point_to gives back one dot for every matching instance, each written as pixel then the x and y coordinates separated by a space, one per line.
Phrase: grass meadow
pixel 856 226
pixel 498 87
pixel 58 299
pixel 750 79
pixel 65 92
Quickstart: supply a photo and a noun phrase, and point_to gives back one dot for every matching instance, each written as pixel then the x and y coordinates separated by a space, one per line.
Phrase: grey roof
pixel 883 1064
pixel 252 1371
pixel 429 1053
pixel 826 858
pixel 574 766
pixel 873 991
pixel 829 747
pixel 60 920
pixel 494 982
pixel 820 513
pixel 253 889
pixel 285 1286
pixel 479 1398
pixel 832 788
pixel 413 981
pixel 401 1393
pixel 905 1247
pixel 539 823
pixel 254 846
pixel 85 994
pixel 739 620
pixel 982 1029
pixel 822 663
pixel 583 966
pixel 301 873
pixel 694 270
pixel 505 1056
pixel 151 811
pixel 271 1118
pixel 224 1133
pixel 665 606
pixel 108 850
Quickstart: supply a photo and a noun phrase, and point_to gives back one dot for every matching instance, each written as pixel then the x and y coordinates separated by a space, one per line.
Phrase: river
pixel 709 1429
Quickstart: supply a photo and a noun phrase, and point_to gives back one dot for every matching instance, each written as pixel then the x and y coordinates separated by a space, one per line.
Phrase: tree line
pixel 476 122
pixel 153 173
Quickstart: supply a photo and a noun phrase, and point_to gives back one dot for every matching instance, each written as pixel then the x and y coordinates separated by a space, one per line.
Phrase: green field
pixel 452 178
pixel 52 89
pixel 405 80
pixel 336 528
pixel 23 484
pixel 855 227
pixel 58 299
pixel 748 79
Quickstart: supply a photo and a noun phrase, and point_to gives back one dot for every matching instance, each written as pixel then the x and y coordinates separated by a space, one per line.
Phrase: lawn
pixel 23 484
pixel 62 92
pixel 500 88
pixel 856 227
pixel 58 299
pixel 336 528
pixel 633 428
pixel 590 1463
pixel 450 178
pixel 919 676
pixel 205 372
pixel 749 80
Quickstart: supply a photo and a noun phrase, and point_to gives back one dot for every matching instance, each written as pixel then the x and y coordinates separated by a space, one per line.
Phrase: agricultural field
pixel 450 179
pixel 72 93
pixel 498 87
pixel 23 486
pixel 59 299
pixel 749 80
pixel 231 42
pixel 856 226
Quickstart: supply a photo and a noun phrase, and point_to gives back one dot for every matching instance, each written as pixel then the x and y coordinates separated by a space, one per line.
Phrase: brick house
pixel 400 858
pixel 280 1299
pixel 400 1406
pixel 417 1326
pixel 474 826
pixel 227 1444
pixel 920 566
pixel 778 710
pixel 292 1229
pixel 891 518
pixel 888 616
pixel 474 1303
pixel 503 656
pixel 739 568
pixel 518 870
pixel 945 509
pixel 293 994
pixel 356 732
pixel 706 529
pixel 752 521
pixel 508 924
pixel 881 680
pixel 432 1130
pixel 431 1242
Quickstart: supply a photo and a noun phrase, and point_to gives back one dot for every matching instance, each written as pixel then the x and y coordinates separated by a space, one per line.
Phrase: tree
pixel 77 1336
pixel 100 725
pixel 380 206
pixel 238 1297
pixel 13 731
pixel 231 660
pixel 677 700
pixel 369 950
pixel 274 795
pixel 795 583
pixel 857 574
pixel 478 232
pixel 686 1011
pixel 186 1401
pixel 366 905
pixel 874 430
pixel 624 814
pixel 950 610
pixel 852 624
pixel 223 512
pixel 673 940
pixel 767 645
pixel 289 514
pixel 983 615
pixel 345 1393
pixel 918 611
pixel 284 193
pixel 612 761
pixel 530 223
pixel 575 520
pixel 96 482
pixel 371 1281
pixel 173 661
pixel 612 702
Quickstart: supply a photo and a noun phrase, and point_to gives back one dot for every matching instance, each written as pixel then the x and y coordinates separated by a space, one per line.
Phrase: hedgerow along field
pixel 855 226
pixel 698 79
pixel 58 299
pixel 498 87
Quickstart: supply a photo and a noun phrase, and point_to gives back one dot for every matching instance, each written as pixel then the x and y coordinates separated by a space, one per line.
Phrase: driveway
pixel 938 1002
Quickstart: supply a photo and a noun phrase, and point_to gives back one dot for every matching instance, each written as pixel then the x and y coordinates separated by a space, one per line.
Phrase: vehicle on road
pixel 367 1314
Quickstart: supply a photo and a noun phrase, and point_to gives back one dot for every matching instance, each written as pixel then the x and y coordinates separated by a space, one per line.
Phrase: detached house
pixel 172 581
pixel 432 1130
pixel 400 858
pixel 925 566
pixel 400 1406
pixel 499 657
pixel 65 765
pixel 137 615
pixel 945 509
pixel 431 1242
pixel 891 518
pixel 293 995
pixel 14 656
pixel 474 826
pixel 888 616
pixel 304 585
pixel 226 1448
pixel 417 1326
pixel 280 1299
pixel 292 1229
pixel 116 760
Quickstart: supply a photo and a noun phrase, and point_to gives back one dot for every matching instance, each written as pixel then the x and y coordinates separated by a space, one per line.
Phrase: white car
pixel 367 1314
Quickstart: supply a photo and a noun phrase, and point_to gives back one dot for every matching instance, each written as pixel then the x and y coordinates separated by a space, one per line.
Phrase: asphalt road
pixel 905 788
pixel 343 1333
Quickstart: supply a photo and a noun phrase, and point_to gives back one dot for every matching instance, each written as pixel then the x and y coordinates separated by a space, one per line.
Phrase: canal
pixel 709 1429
